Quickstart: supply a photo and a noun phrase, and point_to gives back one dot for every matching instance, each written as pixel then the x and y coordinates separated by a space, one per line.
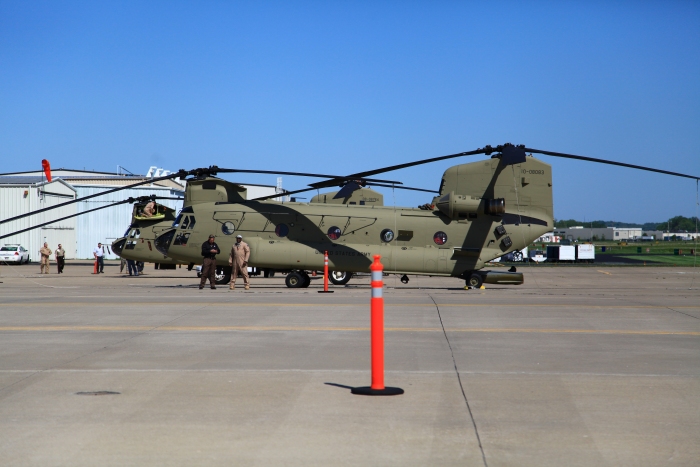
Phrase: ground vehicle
pixel 557 253
pixel 538 256
pixel 585 253
pixel 14 253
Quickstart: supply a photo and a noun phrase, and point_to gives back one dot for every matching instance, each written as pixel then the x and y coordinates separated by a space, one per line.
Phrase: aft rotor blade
pixel 603 161
pixel 286 193
pixel 333 178
pixel 114 190
pixel 404 188
pixel 485 150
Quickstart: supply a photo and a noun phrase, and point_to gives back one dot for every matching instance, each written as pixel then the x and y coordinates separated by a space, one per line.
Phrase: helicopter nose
pixel 118 246
pixel 162 241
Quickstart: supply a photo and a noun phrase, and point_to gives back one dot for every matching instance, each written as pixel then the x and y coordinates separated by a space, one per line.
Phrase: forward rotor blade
pixel 114 190
pixel 129 200
pixel 603 161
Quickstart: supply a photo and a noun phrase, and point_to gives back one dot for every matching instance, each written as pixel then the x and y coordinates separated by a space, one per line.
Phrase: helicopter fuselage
pixel 484 211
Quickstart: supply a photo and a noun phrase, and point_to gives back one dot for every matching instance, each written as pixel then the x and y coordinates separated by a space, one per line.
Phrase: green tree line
pixel 678 223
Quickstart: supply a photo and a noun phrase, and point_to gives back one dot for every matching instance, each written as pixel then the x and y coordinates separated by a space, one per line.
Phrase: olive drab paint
pixel 484 210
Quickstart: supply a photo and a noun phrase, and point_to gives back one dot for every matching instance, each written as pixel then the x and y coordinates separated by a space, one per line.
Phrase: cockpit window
pixel 186 222
pixel 177 220
pixel 192 221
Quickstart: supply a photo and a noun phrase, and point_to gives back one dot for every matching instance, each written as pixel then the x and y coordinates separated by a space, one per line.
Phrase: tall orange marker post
pixel 325 274
pixel 377 336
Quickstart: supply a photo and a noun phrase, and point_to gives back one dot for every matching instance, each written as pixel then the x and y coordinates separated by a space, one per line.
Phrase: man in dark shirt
pixel 209 251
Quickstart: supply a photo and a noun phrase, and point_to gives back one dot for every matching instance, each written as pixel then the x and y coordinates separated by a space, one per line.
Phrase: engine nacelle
pixel 460 206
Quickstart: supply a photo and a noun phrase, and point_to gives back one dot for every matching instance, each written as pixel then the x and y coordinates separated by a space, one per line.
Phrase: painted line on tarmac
pixel 335 305
pixel 156 329
pixel 396 372
pixel 605 272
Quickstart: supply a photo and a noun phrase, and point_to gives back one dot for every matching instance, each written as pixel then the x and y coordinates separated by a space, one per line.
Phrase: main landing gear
pixel 475 280
pixel 297 279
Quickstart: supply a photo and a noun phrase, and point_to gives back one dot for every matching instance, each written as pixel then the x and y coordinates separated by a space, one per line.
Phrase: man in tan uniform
pixel 45 255
pixel 238 259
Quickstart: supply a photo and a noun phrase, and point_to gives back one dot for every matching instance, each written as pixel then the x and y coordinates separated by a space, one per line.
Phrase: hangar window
pixel 617 234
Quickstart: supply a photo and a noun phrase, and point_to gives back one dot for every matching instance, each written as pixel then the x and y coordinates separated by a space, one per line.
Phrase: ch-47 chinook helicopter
pixel 483 210
pixel 138 241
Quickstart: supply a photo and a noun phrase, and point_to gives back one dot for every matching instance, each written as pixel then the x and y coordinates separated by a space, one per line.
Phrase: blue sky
pixel 342 87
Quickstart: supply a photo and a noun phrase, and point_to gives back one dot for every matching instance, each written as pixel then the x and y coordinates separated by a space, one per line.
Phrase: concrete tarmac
pixel 578 366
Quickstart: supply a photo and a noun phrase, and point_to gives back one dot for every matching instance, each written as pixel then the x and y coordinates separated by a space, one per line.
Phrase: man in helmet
pixel 238 260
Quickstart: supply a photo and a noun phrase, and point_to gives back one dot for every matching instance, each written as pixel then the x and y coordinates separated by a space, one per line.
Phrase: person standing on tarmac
pixel 60 258
pixel 99 255
pixel 45 256
pixel 238 259
pixel 209 251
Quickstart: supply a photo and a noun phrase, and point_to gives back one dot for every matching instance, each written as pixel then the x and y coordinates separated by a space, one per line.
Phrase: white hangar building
pixel 24 192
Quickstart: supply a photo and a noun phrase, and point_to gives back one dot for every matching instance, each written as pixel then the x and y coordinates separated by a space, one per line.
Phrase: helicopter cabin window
pixel 387 235
pixel 334 233
pixel 440 238
pixel 209 186
pixel 362 203
pixel 282 230
pixel 227 228
pixel 352 202
pixel 181 239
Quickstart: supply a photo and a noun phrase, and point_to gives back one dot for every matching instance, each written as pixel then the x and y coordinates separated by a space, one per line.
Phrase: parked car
pixel 14 253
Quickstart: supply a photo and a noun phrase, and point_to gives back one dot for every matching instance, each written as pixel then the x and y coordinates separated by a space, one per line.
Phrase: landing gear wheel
pixel 294 280
pixel 307 279
pixel 223 275
pixel 339 277
pixel 475 281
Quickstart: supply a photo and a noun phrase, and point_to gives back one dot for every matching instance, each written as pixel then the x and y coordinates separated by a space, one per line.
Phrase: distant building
pixel 605 233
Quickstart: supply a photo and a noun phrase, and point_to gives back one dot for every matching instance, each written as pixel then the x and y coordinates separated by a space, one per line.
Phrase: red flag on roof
pixel 47 168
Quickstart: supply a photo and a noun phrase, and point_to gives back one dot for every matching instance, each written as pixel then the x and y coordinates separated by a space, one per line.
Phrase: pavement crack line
pixel 669 308
pixel 101 348
pixel 459 379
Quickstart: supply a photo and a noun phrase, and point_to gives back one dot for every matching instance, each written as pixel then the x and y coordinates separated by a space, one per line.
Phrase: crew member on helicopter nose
pixel 238 259
pixel 209 251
